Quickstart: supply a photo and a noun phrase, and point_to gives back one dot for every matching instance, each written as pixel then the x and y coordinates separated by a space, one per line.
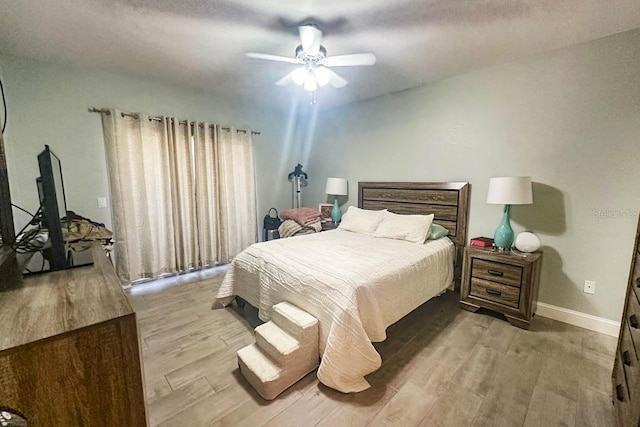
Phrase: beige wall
pixel 48 105
pixel 570 119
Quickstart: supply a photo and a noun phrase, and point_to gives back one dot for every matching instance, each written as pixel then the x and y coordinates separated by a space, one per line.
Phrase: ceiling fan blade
pixel 350 60
pixel 311 38
pixel 268 57
pixel 285 80
pixel 336 81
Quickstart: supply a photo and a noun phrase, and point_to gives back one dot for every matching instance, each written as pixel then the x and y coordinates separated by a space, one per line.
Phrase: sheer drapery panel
pixel 183 194
pixel 236 180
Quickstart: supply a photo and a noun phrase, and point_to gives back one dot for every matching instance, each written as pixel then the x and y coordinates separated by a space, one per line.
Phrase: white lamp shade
pixel 510 190
pixel 337 187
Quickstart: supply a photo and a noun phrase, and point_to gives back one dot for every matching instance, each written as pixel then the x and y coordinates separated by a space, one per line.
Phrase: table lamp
pixel 507 191
pixel 336 187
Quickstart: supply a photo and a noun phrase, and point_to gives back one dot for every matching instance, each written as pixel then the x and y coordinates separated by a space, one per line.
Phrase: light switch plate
pixel 102 202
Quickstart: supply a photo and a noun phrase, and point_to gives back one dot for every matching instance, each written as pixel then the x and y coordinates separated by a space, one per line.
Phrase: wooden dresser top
pixel 61 301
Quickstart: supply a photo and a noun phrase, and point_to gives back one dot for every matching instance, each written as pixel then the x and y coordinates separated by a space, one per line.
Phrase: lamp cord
pixel 4 105
pixel 23 210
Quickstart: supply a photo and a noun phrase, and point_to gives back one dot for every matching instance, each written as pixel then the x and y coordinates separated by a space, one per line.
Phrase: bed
pixel 356 285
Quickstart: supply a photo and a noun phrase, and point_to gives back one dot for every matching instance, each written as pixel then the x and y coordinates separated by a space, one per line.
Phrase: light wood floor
pixel 441 367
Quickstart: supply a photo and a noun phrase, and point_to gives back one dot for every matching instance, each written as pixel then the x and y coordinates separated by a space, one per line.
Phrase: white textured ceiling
pixel 202 42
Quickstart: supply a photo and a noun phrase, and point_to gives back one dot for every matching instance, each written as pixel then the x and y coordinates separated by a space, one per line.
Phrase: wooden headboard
pixel 448 201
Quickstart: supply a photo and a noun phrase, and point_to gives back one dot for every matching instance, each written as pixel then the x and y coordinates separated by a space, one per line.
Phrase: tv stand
pixel 69 349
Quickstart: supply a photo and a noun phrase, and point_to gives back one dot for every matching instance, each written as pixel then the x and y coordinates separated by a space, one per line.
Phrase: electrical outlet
pixel 102 202
pixel 589 287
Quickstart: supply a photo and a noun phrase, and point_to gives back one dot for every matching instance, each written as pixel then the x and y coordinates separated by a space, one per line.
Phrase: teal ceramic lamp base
pixel 503 237
pixel 336 214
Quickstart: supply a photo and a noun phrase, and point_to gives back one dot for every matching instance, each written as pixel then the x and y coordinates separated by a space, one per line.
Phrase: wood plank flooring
pixel 442 366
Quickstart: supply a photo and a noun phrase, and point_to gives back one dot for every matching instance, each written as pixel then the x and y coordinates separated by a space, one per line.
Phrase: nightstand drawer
pixel 496 272
pixel 496 292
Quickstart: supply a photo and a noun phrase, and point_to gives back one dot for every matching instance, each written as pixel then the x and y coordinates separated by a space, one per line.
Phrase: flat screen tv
pixel 54 205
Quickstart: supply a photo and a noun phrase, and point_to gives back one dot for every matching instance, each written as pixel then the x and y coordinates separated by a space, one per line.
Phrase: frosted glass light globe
pixel 310 84
pixel 299 75
pixel 527 242
pixel 322 75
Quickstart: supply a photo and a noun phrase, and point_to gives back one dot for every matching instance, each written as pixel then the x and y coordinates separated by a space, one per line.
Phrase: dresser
pixel 625 379
pixel 501 281
pixel 69 349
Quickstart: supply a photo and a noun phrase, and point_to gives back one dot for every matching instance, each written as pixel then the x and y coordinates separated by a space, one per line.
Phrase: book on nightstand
pixel 483 242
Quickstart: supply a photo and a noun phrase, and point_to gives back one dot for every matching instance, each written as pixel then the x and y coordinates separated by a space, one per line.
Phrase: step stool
pixel 286 349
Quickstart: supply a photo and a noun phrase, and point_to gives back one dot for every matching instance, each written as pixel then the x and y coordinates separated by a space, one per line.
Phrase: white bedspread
pixel 355 285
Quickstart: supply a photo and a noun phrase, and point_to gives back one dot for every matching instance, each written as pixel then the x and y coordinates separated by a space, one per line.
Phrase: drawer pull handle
pixel 626 358
pixel 619 393
pixel 492 292
pixel 633 321
pixel 495 273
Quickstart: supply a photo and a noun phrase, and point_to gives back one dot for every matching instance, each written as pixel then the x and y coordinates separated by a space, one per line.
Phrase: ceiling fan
pixel 314 64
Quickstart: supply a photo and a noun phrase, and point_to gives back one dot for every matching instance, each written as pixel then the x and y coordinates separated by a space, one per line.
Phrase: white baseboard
pixel 576 318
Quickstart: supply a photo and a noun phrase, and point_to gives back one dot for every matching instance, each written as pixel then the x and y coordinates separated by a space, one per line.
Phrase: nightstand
pixel 502 282
pixel 329 225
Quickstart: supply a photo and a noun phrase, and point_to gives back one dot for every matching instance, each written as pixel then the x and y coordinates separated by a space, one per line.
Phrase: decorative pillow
pixel 361 220
pixel 413 228
pixel 437 232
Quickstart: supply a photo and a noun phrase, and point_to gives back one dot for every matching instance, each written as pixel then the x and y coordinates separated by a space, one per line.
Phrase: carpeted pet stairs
pixel 286 350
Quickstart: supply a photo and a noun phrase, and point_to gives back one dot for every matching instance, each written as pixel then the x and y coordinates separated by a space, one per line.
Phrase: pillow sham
pixel 437 232
pixel 413 228
pixel 361 221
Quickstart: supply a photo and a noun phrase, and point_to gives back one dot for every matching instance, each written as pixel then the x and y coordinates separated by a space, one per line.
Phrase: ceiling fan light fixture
pixel 322 75
pixel 314 68
pixel 310 84
pixel 299 75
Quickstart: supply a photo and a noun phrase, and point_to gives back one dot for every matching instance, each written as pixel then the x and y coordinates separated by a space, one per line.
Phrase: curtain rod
pixel 158 119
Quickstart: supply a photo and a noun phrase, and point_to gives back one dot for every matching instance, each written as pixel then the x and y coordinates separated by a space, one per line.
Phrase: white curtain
pixel 183 197
pixel 207 194
pixel 237 188
pixel 175 191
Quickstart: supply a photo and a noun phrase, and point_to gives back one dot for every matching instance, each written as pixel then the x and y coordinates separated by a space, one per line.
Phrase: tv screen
pixel 54 206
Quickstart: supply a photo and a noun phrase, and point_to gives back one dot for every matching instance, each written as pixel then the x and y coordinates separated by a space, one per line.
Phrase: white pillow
pixel 413 228
pixel 361 220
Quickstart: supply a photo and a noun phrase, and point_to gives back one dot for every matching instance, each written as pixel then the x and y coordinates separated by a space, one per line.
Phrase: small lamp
pixel 508 191
pixel 336 187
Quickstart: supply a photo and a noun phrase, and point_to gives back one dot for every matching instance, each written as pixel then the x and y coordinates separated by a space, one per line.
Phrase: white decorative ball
pixel 527 242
